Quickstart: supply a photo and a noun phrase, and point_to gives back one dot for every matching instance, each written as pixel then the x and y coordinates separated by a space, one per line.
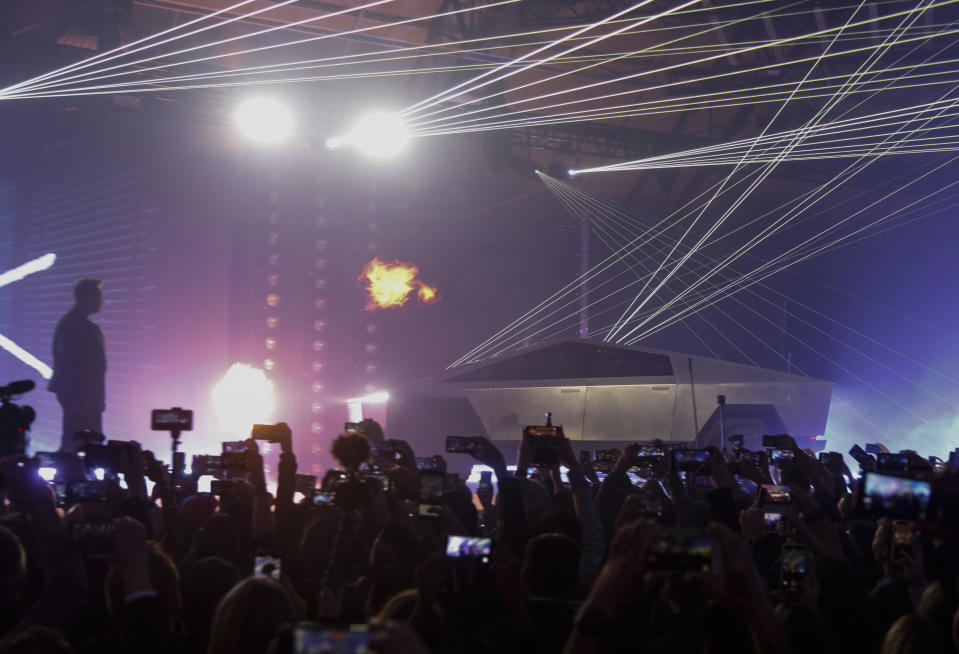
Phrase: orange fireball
pixel 389 285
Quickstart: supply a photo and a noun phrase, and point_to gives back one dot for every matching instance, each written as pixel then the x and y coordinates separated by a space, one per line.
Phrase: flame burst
pixel 390 285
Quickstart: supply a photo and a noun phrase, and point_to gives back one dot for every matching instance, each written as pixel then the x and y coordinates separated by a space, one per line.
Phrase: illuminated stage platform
pixel 604 393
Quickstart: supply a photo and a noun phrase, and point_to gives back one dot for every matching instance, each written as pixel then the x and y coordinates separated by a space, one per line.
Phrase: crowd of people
pixel 645 551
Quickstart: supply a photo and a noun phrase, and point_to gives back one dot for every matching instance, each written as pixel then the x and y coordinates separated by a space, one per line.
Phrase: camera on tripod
pixel 15 419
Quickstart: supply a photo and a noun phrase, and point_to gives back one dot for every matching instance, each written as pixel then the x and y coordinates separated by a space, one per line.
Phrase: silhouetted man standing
pixel 80 364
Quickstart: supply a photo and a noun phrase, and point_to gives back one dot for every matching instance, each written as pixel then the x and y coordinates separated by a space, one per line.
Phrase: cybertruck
pixel 605 395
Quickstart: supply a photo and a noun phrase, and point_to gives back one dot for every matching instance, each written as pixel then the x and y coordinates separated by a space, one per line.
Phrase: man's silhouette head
pixel 88 296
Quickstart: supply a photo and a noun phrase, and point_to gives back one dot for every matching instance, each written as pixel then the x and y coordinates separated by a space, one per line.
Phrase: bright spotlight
pixel 265 120
pixel 354 410
pixel 573 172
pixel 379 134
pixel 99 474
pixel 354 405
pixel 243 397
pixel 47 474
pixel 375 398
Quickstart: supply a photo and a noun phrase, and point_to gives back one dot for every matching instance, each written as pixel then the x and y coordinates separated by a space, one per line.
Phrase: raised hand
pixel 627 458
pixel 488 454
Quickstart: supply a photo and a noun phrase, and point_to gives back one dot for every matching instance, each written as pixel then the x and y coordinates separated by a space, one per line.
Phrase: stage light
pixel 241 399
pixel 373 398
pixel 378 134
pixel 265 120
pixel 354 410
pixel 99 474
pixel 47 474
pixel 477 469
pixel 354 405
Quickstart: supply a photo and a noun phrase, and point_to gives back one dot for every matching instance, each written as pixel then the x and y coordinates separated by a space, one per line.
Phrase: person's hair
pixel 38 640
pixel 402 542
pixel 463 508
pixel 372 430
pixel 937 609
pixel 163 577
pixel 432 630
pixel 559 521
pixel 401 606
pixel 390 581
pixel 217 536
pixel 806 629
pixel 842 602
pixel 204 584
pixel 85 288
pixel 316 543
pixel 13 562
pixel 882 541
pixel 351 450
pixel 911 634
pixel 551 566
pixel 249 617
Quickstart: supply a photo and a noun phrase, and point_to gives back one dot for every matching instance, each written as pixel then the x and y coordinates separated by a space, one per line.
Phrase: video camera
pixel 15 420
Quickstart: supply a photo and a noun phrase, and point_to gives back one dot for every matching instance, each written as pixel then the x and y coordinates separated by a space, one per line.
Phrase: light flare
pixel 243 397
pixel 378 134
pixel 390 285
pixel 265 120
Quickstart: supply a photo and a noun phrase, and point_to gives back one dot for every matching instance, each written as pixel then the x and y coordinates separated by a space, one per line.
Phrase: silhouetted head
pixel 249 616
pixel 560 521
pixel 910 634
pixel 551 566
pixel 88 296
pixel 203 586
pixel 38 640
pixel 13 579
pixel 164 579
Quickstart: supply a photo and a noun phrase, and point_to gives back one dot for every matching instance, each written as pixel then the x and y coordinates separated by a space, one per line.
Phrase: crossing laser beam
pixel 15 275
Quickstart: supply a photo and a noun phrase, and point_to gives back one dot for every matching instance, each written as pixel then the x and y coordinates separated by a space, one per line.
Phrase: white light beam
pixel 26 357
pixel 30 267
